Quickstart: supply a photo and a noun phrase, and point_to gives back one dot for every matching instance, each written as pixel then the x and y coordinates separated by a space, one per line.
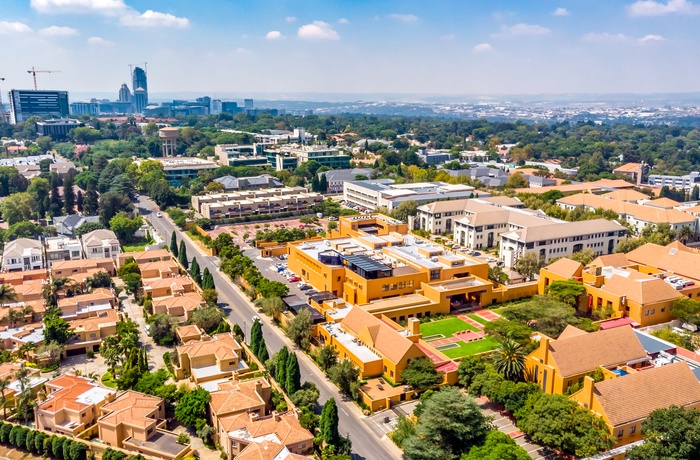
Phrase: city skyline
pixel 449 47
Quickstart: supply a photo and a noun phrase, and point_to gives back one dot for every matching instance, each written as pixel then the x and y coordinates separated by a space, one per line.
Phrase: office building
pixel 686 182
pixel 337 177
pixel 434 157
pixel 58 129
pixel 124 94
pixel 179 171
pixel 44 104
pixel 140 88
pixel 216 107
pixel 140 100
pixel 168 138
pixel 255 202
pixel 239 155
pixel 248 104
pixel 439 217
pixel 290 157
pixel 263 181
pixel 91 107
pixel 230 107
pixel 371 194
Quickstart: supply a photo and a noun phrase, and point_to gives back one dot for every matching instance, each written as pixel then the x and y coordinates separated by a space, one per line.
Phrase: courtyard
pixel 460 335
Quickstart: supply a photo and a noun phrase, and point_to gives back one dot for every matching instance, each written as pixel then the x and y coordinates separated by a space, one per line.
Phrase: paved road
pixel 365 444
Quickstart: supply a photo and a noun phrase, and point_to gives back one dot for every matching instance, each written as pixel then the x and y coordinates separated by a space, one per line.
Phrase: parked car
pixel 475 253
pixel 294 279
pixel 491 260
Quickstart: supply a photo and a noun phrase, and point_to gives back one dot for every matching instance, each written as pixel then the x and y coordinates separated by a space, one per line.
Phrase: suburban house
pixel 9 371
pixel 188 333
pixel 237 432
pixel 211 358
pixel 86 305
pixel 175 286
pixel 239 397
pixel 179 306
pixel 67 225
pixel 72 404
pixel 90 332
pixel 159 269
pixel 557 365
pixel 135 421
pixel 143 257
pixel 625 399
pixel 100 244
pixel 72 267
pixel 22 254
pixel 62 248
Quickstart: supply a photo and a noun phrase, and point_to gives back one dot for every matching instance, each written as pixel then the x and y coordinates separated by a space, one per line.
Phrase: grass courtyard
pixel 461 349
pixel 445 327
pixel 478 319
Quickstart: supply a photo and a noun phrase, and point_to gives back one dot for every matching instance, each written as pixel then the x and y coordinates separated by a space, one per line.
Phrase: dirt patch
pixel 238 230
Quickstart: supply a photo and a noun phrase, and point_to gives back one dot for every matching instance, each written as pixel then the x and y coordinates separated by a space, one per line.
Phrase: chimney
pixel 414 326
pixel 254 416
pixel 587 392
pixel 276 416
pixel 258 387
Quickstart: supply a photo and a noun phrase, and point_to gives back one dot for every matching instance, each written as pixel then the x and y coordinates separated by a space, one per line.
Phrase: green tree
pixel 281 358
pixel 498 446
pixel 420 373
pixel 685 233
pixel 497 275
pixel 256 335
pixel 163 328
pixel 91 204
pixel 39 189
pixel 543 313
pixel 344 375
pixel 55 201
pixel 124 227
pixel 194 271
pixel 56 329
pixel 7 294
pixel 207 280
pixel 327 357
pixel 669 434
pixel 528 264
pixel 182 255
pixel 292 375
pixel 517 180
pixel 328 424
pixel 207 317
pixel 509 359
pixel 192 407
pixel 684 309
pixel 568 291
pixel 18 207
pixel 4 383
pixel 88 227
pixel 583 257
pixel 299 329
pixel 173 244
pixel 470 367
pixel 68 195
pixel 111 204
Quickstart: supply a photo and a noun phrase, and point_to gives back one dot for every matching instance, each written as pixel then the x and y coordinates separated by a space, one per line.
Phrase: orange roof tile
pixel 641 289
pixel 672 260
pixel 188 301
pixel 68 388
pixel 235 396
pixel 287 428
pixel 131 408
pixel 223 346
pixel 106 318
pixel 628 167
pixel 566 267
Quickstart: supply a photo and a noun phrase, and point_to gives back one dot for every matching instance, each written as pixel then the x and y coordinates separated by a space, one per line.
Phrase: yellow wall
pixel 367 369
pixel 319 275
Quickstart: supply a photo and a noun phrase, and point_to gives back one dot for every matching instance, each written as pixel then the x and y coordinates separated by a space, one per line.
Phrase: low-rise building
pixel 179 171
pixel 154 255
pixel 89 332
pixel 13 390
pixel 337 177
pixel 241 204
pixel 188 333
pixel 100 244
pixel 275 432
pixel 135 422
pixel 179 306
pixel 72 404
pixel 22 254
pixel 86 305
pixel 263 181
pixel 435 157
pixel 239 397
pixel 685 182
pixel 62 248
pixel 211 358
pixel 161 269
pixel 83 266
pixel 239 155
pixel 67 225
pixel 168 287
pixel 634 171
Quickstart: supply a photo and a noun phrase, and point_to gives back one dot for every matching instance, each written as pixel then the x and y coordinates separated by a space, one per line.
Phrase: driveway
pixel 135 313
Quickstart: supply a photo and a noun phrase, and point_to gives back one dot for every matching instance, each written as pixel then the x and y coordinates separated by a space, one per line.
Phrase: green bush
pixel 39 439
pixel 57 447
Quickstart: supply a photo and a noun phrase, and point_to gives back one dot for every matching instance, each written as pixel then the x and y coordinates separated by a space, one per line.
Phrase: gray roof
pixel 651 344
pixel 376 184
pixel 241 183
pixel 66 225
pixel 345 175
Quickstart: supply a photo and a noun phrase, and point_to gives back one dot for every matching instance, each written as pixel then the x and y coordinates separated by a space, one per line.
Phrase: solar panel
pixel 366 263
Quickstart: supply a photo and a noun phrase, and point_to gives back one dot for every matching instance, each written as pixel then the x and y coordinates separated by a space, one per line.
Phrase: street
pixel 365 444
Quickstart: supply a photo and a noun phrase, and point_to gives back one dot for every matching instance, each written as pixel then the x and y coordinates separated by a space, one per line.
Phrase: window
pixel 391 373
pixel 385 369
pixel 652 311
pixel 385 287
pixel 620 433
pixel 633 429
pixel 232 363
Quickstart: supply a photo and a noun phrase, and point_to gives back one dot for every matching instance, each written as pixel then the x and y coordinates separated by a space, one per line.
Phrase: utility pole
pixel 33 71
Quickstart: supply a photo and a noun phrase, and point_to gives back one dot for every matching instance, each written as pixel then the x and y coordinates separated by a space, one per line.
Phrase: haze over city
pixel 378 47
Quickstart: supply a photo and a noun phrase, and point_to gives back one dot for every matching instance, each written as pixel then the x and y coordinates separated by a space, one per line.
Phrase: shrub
pixel 182 438
pixel 91 354
pixel 57 447
pixel 5 433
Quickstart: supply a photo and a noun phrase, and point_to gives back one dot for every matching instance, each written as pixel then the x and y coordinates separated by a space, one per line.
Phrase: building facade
pixel 39 103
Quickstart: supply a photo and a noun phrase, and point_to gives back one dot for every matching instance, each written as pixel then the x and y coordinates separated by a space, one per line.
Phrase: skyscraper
pixel 124 94
pixel 27 103
pixel 140 87
pixel 248 104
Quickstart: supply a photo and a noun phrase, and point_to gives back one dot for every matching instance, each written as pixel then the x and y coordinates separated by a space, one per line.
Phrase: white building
pixel 439 217
pixel 22 254
pixel 62 248
pixel 686 182
pixel 561 239
pixel 337 177
pixel 370 194
pixel 100 244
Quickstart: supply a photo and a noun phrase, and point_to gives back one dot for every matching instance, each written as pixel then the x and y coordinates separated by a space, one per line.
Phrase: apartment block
pixel 72 404
pixel 136 422
pixel 100 244
pixel 22 254
pixel 686 182
pixel 241 204
pixel 289 156
pixel 210 358
pixel 440 217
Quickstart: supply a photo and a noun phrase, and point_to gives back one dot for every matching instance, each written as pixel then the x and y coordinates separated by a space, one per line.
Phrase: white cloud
pixel 561 12
pixel 621 38
pixel 523 30
pixel 103 7
pixel 655 8
pixel 98 41
pixel 274 35
pixel 243 52
pixel 8 27
pixel 291 19
pixel 127 15
pixel 317 30
pixel 405 18
pixel 58 31
pixel 154 19
pixel 482 48
pixel 343 21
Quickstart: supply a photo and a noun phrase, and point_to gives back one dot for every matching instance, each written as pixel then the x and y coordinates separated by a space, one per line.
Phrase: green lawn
pixel 479 319
pixel 471 348
pixel 108 380
pixel 446 327
pixel 137 246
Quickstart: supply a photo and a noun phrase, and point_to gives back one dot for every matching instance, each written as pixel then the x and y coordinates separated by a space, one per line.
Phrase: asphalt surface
pixel 365 444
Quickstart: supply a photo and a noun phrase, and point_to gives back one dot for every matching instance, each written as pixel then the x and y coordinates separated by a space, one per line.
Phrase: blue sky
pixel 355 46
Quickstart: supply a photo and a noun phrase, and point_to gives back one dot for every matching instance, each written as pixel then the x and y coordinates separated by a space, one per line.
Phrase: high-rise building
pixel 124 94
pixel 140 87
pixel 215 108
pixel 42 103
pixel 230 107
pixel 248 103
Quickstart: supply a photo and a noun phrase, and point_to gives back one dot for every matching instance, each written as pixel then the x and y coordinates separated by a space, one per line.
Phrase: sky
pixel 449 47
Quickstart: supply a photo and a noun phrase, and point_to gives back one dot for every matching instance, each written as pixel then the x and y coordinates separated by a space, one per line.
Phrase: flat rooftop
pixel 353 345
pixel 160 442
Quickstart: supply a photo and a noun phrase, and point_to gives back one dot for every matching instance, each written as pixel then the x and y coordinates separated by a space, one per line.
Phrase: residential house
pixel 239 397
pixel 86 305
pixel 161 269
pixel 237 432
pixel 72 404
pixel 67 225
pixel 35 382
pixel 90 332
pixel 179 306
pixel 558 365
pixel 86 266
pixel 22 254
pixel 188 333
pixel 62 248
pixel 100 244
pixel 625 400
pixel 210 358
pixel 135 421
pixel 142 257
pixel 166 287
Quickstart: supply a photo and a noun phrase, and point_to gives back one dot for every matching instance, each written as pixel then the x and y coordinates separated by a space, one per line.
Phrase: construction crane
pixel 34 72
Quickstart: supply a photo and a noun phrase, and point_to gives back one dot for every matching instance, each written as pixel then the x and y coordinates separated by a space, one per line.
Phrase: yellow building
pixel 625 401
pixel 90 332
pixel 616 291
pixel 210 358
pixel 557 365
pixel 239 397
pixel 86 305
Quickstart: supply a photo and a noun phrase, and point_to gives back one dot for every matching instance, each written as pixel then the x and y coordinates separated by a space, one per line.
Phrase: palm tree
pixel 4 383
pixel 28 310
pixel 684 234
pixel 51 290
pixel 509 359
pixel 7 294
pixel 23 376
pixel 26 348
pixel 14 316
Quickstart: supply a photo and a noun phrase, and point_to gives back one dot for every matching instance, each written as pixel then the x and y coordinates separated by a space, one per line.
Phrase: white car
pixel 159 214
pixel 490 260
